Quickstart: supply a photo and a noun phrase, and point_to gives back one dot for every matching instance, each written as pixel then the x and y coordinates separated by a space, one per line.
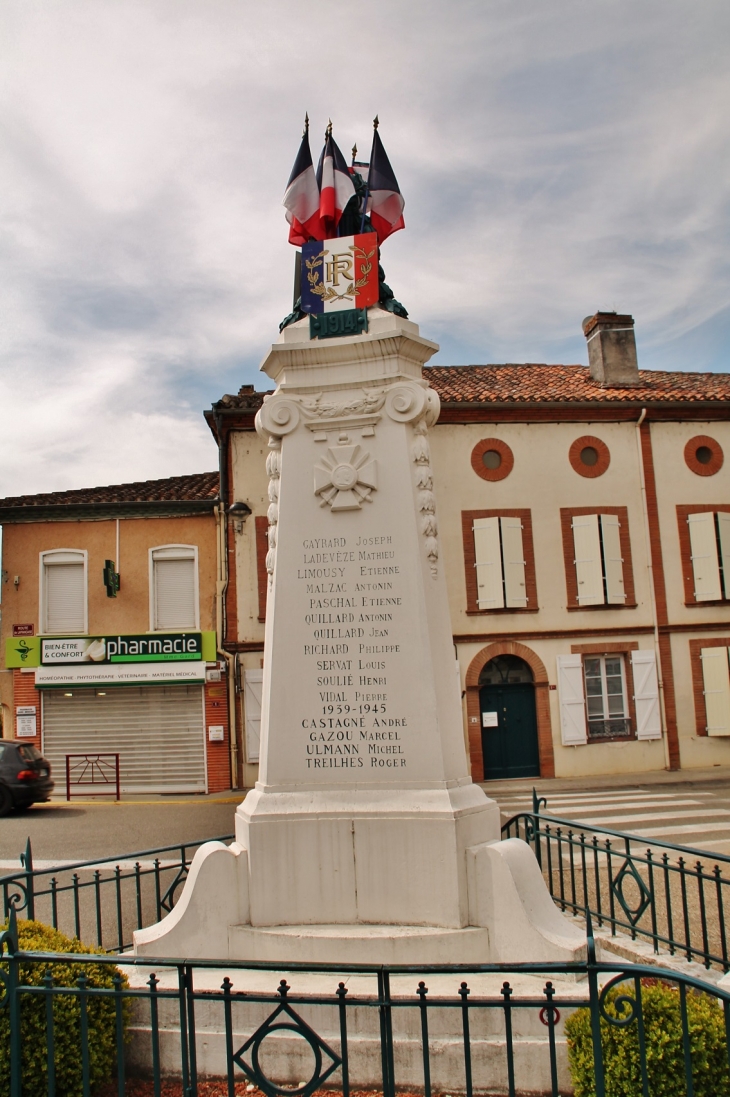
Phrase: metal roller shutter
pixel 158 732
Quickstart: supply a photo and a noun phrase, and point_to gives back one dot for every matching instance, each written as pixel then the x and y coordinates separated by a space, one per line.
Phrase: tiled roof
pixel 530 383
pixel 199 486
pixel 560 384
pixel 246 397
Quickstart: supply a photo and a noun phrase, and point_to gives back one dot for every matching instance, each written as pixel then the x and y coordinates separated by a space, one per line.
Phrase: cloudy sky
pixel 556 157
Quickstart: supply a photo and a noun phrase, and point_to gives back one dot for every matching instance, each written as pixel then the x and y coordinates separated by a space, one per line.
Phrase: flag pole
pixel 367 185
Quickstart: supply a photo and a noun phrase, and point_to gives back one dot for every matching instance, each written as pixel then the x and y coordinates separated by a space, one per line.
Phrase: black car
pixel 25 776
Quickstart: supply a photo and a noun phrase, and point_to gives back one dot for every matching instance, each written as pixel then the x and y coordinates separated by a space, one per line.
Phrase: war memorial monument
pixel 365 839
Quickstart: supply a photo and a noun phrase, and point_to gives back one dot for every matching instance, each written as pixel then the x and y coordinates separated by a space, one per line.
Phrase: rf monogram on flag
pixel 339 282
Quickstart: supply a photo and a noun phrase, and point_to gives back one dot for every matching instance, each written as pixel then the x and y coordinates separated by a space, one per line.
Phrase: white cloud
pixel 555 158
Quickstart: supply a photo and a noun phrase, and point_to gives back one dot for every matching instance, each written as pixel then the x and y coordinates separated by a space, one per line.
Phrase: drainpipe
pixel 221 587
pixel 652 595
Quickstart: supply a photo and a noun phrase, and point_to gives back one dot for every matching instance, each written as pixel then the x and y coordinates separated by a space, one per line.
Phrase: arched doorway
pixel 508 719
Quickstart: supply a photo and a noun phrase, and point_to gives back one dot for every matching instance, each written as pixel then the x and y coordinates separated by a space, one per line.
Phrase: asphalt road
pixel 81 830
pixel 693 809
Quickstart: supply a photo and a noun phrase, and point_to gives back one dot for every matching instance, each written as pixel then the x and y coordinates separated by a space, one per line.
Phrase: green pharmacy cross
pixel 111 579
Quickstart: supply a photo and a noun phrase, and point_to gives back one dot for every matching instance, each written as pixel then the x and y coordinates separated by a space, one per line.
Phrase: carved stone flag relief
pixel 341 273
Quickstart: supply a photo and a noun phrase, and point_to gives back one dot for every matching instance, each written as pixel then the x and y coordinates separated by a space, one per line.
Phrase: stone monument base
pixel 511 919
pixel 359 944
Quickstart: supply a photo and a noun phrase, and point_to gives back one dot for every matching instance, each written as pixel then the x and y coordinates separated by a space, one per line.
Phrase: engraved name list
pixel 353 602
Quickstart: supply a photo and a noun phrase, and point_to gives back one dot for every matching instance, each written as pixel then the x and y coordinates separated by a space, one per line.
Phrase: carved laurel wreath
pixel 328 293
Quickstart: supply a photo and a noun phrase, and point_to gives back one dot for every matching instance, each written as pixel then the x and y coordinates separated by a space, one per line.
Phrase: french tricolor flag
pixel 336 187
pixel 385 201
pixel 301 199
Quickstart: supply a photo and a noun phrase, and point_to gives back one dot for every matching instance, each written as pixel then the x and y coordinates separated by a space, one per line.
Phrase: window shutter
pixel 490 592
pixel 612 559
pixel 588 571
pixel 252 691
pixel 704 556
pixel 723 528
pixel 65 593
pixel 175 593
pixel 646 695
pixel 572 700
pixel 716 677
pixel 514 562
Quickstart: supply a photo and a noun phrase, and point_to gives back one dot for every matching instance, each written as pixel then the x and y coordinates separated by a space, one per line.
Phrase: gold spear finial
pixel 306 124
pixel 354 153
pixel 376 123
pixel 328 131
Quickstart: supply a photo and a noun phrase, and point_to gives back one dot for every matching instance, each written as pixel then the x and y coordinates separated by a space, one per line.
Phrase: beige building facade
pixel 112 632
pixel 583 515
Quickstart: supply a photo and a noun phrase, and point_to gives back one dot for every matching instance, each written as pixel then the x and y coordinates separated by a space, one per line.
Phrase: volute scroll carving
pixel 406 402
pixel 277 416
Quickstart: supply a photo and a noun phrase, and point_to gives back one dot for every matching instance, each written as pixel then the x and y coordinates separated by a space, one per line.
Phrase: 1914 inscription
pixel 354 620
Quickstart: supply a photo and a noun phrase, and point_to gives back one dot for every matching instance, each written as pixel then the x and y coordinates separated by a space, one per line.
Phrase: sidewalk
pixel 228 796
pixel 682 778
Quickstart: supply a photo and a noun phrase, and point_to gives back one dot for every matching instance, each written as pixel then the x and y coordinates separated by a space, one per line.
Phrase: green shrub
pixel 664 1048
pixel 101 1012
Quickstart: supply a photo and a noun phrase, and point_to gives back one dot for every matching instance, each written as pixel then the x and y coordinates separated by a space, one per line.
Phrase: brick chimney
pixel 612 350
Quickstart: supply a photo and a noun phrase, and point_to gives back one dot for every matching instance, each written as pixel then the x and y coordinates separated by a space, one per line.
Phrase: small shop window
pixel 174 587
pixel 606 699
pixel 63 591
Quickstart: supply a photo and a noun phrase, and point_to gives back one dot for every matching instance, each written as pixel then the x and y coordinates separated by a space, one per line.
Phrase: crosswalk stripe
pixel 602 821
pixel 661 808
pixel 695 817
pixel 690 828
pixel 554 803
pixel 567 809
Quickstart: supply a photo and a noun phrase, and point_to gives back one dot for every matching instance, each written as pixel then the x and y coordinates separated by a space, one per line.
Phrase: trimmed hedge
pixel 101 1012
pixel 664 1048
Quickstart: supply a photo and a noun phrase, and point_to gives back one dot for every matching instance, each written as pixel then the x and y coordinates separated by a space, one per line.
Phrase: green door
pixel 509 731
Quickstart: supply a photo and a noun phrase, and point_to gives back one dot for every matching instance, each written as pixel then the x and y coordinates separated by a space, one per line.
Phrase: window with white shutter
pixel 63 591
pixel 488 556
pixel 513 563
pixel 598 560
pixel 174 587
pixel 723 544
pixel 703 541
pixel 613 563
pixel 572 700
pixel 499 563
pixel 252 691
pixel 588 570
pixel 716 679
pixel 646 695
pixel 607 704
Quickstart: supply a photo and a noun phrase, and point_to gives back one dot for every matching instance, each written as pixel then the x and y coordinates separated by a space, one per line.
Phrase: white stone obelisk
pixel 364 806
pixel 365 838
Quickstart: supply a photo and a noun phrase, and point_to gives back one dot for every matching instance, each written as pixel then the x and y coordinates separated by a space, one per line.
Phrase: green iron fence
pixel 101 901
pixel 670 895
pixel 181 1008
